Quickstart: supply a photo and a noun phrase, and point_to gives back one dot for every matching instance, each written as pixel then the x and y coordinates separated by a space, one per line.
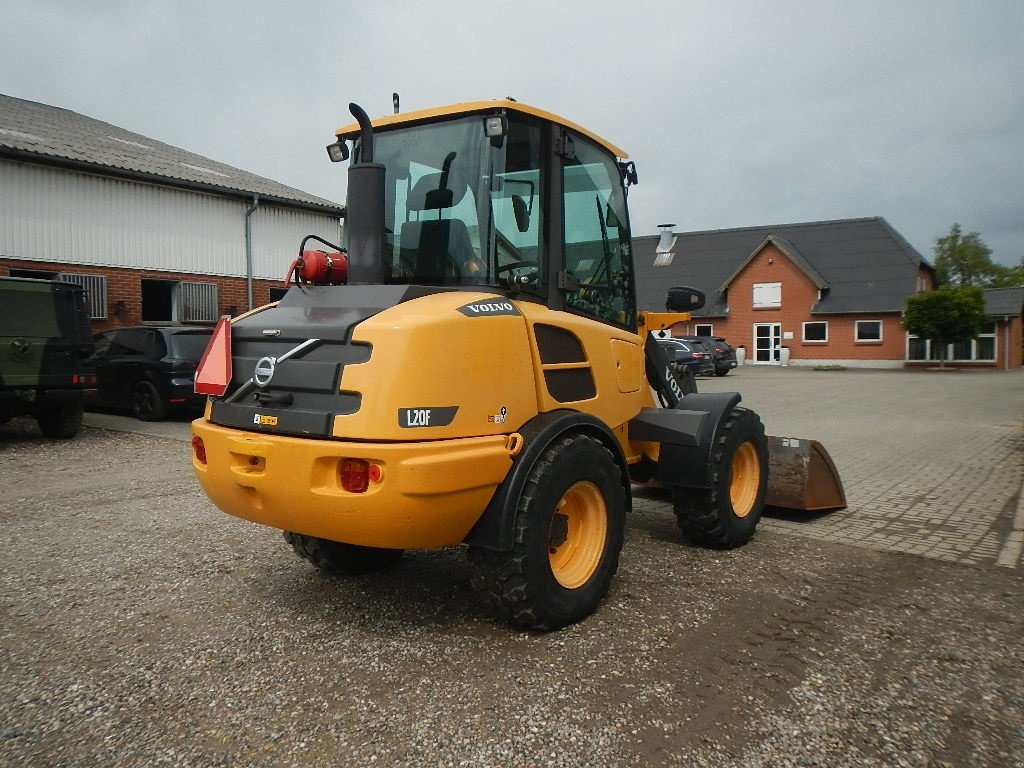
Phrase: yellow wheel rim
pixel 577 536
pixel 746 477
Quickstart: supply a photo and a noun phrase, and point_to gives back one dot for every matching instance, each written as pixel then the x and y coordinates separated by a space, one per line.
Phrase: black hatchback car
pixel 148 370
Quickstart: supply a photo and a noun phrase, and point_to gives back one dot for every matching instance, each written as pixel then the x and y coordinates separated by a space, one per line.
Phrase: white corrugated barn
pixel 154 233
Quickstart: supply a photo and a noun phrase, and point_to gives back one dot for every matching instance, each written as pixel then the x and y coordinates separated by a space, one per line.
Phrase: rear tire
pixel 726 515
pixel 722 371
pixel 146 402
pixel 62 422
pixel 569 530
pixel 336 557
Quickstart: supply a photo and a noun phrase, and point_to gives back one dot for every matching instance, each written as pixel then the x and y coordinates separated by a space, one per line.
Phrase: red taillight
pixel 85 379
pixel 214 371
pixel 356 475
pixel 199 449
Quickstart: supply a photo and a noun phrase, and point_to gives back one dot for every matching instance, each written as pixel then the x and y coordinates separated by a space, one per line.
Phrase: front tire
pixel 726 515
pixel 570 523
pixel 338 558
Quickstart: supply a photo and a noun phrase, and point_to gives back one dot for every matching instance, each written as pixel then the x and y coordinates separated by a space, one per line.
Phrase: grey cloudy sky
pixel 737 113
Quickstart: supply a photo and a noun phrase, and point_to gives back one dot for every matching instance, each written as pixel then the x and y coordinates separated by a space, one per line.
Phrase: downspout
pixel 1006 343
pixel 248 249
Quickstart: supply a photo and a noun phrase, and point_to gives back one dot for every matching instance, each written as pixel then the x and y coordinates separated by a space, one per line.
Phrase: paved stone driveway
pixel 932 462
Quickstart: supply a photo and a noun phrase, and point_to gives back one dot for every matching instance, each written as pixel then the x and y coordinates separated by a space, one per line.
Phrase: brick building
pixel 829 292
pixel 153 232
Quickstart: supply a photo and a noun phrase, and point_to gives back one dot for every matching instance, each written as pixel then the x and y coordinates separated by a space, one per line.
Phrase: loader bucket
pixel 802 476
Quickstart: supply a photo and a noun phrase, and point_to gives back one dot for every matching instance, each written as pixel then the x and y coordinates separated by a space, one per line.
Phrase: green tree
pixel 964 260
pixel 1008 277
pixel 946 316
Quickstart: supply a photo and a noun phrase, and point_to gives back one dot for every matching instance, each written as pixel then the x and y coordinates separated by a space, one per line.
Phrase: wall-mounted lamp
pixel 119 308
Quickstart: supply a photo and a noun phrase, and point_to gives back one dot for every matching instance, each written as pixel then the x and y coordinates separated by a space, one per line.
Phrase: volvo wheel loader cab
pixel 481 378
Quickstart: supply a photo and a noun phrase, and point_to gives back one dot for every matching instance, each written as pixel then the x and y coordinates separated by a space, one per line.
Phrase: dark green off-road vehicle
pixel 44 341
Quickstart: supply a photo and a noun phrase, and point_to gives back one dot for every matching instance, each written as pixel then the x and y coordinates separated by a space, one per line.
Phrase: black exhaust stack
pixel 365 210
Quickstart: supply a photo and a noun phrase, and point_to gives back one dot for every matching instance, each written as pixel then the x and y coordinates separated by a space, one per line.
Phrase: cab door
pixel 596 246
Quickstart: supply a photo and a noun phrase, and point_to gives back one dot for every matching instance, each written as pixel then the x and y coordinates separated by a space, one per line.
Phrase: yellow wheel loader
pixel 469 368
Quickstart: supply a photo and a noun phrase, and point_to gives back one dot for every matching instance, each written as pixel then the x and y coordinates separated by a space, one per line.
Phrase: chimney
pixel 665 251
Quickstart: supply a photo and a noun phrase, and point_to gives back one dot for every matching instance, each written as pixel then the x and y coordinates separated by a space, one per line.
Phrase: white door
pixel 767 343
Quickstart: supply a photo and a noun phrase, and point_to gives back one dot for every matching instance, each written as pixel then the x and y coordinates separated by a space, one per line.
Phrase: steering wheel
pixel 514 265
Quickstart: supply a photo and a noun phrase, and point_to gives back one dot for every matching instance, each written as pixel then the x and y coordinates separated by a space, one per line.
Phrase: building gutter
pixel 1006 343
pixel 248 249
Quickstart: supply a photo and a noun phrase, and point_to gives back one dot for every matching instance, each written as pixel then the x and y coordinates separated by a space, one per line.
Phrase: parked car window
pixel 101 343
pixel 189 345
pixel 137 342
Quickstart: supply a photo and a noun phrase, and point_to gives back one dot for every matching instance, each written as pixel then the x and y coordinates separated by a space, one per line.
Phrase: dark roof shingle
pixel 862 265
pixel 1004 302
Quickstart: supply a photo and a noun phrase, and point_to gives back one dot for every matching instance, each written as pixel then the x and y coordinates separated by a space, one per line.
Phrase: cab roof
pixel 351 130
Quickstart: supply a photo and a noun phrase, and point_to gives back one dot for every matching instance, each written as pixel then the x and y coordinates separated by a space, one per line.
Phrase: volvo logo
pixel 264 371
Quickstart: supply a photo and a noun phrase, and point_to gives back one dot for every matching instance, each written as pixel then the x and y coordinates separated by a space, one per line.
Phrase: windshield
pixel 461 207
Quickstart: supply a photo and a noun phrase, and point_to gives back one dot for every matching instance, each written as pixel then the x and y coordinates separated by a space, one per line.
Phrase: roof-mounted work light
pixel 495 126
pixel 338 151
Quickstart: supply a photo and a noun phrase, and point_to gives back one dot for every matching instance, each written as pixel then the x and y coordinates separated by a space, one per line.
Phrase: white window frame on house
pixel 767 295
pixel 856 332
pixel 95 290
pixel 803 332
pixel 708 329
pixel 931 349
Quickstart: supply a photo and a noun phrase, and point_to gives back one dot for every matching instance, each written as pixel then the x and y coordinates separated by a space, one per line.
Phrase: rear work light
pixel 356 475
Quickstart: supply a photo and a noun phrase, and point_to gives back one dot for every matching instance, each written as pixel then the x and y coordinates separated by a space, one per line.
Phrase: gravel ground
pixel 141 627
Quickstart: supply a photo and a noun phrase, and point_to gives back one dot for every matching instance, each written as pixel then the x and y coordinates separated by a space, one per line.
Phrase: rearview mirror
pixel 684 299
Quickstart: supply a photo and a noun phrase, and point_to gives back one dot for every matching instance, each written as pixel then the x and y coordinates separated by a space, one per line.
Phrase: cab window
pixel 463 207
pixel 517 208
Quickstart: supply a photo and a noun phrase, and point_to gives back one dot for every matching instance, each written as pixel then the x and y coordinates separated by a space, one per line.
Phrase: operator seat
pixel 435 249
